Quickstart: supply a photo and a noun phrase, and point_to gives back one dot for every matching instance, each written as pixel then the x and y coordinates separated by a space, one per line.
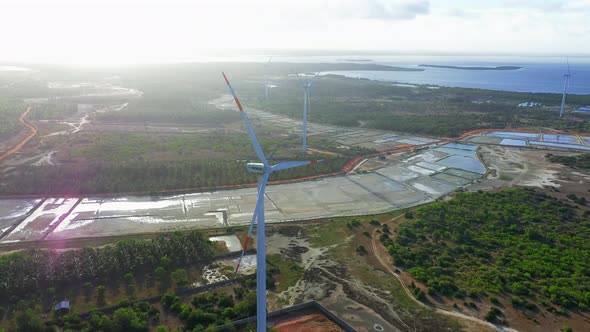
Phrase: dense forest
pixel 147 176
pixel 421 109
pixel 31 273
pixel 205 312
pixel 132 317
pixel 518 242
pixel 579 161
pixel 209 311
pixel 10 110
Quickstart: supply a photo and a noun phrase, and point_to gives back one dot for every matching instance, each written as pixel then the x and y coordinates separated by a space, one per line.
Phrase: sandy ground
pixel 508 166
pixel 325 281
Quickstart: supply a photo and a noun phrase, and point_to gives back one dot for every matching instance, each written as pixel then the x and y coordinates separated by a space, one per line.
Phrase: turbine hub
pixel 255 168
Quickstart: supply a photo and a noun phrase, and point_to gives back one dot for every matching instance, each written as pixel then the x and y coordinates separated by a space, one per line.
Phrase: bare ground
pixel 329 279
pixel 509 166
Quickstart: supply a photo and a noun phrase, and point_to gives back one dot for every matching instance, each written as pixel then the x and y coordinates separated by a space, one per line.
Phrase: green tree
pixel 128 278
pixel 88 289
pixel 180 278
pixel 165 261
pixel 126 319
pixel 100 296
pixel 28 321
pixel 160 273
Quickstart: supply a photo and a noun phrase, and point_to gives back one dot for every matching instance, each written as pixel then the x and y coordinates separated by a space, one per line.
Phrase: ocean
pixel 538 73
pixel 532 77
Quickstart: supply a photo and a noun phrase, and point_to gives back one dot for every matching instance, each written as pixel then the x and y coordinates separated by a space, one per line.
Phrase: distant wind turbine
pixel 266 82
pixel 263 170
pixel 565 86
pixel 306 85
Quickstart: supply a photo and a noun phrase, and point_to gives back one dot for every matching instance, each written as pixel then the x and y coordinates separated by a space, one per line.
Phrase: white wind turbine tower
pixel 263 170
pixel 306 85
pixel 266 82
pixel 565 86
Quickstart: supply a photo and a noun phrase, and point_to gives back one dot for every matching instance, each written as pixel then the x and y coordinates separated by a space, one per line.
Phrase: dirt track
pixel 21 119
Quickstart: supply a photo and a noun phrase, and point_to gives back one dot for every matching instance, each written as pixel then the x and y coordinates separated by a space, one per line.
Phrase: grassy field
pixel 290 271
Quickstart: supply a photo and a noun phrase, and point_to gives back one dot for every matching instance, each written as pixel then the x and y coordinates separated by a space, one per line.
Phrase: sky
pixel 137 31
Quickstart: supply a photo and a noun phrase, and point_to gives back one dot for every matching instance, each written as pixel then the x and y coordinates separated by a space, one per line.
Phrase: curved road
pixel 435 309
pixel 21 119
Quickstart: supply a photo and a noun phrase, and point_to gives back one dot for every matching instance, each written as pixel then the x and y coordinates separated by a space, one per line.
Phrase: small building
pixel 530 104
pixel 584 109
pixel 62 307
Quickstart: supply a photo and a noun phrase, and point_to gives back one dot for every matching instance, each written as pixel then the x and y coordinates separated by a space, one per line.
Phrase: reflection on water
pixel 464 163
pixel 231 242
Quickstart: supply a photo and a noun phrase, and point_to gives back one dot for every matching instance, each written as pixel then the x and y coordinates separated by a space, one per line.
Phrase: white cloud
pixel 578 5
pixel 157 30
pixel 383 9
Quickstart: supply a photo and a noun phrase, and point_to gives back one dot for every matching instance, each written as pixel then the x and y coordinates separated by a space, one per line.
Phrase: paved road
pixel 21 119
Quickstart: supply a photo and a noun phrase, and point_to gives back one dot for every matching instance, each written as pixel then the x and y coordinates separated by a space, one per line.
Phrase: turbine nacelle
pixel 257 168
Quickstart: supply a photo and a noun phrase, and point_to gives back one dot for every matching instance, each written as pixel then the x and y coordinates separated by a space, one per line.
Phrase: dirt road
pixel 454 314
pixel 21 119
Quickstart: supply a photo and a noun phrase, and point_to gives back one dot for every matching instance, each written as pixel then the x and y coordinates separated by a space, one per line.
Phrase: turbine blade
pixel 259 200
pixel 272 152
pixel 291 164
pixel 251 132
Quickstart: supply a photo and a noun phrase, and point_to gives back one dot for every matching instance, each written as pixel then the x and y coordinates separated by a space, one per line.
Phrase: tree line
pixel 29 273
pixel 579 161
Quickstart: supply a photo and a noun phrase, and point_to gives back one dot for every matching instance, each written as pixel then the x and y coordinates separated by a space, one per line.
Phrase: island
pixel 353 66
pixel 473 68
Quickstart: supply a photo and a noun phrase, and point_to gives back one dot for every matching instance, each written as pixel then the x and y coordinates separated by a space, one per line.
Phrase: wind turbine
pixel 565 86
pixel 266 82
pixel 306 85
pixel 263 170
